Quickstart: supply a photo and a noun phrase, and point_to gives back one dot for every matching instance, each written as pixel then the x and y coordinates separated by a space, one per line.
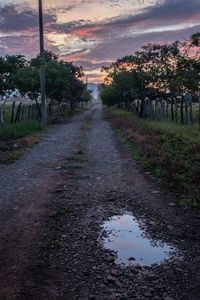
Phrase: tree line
pixel 157 81
pixel 63 80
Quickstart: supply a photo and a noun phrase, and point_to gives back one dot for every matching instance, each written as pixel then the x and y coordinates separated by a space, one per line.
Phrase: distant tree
pixel 86 95
pixel 163 71
pixel 8 68
pixel 188 74
pixel 191 46
pixel 62 79
pixel 9 65
pixel 27 81
pixel 108 95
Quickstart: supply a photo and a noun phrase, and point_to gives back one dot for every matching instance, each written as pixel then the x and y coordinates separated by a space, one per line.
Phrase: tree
pixel 156 71
pixel 63 79
pixel 27 81
pixel 8 68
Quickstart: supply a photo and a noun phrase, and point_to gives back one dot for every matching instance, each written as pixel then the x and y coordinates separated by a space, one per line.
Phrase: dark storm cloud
pixel 69 26
pixel 89 65
pixel 174 11
pixel 13 18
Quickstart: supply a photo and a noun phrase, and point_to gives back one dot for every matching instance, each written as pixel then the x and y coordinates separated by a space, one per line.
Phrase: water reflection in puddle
pixel 123 235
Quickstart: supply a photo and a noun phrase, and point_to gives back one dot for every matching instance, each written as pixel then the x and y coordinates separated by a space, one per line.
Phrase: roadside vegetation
pixel 11 132
pixel 171 153
pixel 160 82
pixel 154 105
pixel 65 91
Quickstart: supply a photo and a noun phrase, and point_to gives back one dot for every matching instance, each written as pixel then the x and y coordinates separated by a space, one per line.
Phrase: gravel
pixel 91 179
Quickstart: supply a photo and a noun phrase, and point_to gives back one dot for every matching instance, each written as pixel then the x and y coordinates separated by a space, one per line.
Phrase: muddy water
pixel 123 234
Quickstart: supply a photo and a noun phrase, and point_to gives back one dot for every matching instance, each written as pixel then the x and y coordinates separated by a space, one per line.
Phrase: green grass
pixel 191 132
pixel 7 113
pixel 133 150
pixel 170 151
pixel 14 131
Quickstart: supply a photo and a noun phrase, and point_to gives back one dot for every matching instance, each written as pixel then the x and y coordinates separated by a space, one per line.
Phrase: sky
pixel 94 33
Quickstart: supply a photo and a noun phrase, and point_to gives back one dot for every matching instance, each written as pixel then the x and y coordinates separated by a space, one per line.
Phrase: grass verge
pixel 169 151
pixel 14 139
pixel 14 131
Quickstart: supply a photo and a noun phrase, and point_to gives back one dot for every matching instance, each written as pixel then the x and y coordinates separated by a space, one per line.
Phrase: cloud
pixel 93 42
pixel 14 18
pixel 165 14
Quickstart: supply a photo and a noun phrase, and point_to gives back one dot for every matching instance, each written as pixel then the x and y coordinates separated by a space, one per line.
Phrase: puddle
pixel 123 235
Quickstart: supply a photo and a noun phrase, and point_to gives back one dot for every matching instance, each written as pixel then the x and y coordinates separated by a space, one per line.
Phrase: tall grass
pixel 189 132
pixel 170 151
pixel 14 131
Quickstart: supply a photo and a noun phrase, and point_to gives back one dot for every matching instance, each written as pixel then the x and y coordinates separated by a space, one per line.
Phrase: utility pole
pixel 86 80
pixel 42 67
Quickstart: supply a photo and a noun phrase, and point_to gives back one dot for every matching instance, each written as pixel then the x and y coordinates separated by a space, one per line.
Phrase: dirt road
pixel 54 204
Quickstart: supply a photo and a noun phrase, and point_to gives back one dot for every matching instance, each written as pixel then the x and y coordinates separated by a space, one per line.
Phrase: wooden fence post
pixel 191 108
pixel 38 117
pixel 182 112
pixel 156 109
pixel 167 109
pixel 176 109
pixel 23 113
pixel 151 109
pixel 186 109
pixel 199 107
pixel 161 109
pixel 1 115
pixel 17 117
pixel 29 112
pixel 172 109
pixel 12 113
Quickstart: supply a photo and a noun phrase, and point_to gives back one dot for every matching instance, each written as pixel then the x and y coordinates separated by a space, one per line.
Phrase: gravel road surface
pixel 54 202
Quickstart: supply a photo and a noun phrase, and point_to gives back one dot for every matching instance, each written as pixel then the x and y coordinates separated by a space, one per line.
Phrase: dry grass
pixel 10 151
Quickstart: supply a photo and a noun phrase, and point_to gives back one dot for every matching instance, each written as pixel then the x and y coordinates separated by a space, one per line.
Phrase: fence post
pixel 38 116
pixel 12 113
pixel 199 107
pixel 167 109
pixel 156 104
pixel 191 107
pixel 176 109
pixel 17 117
pixel 161 109
pixel 151 109
pixel 186 109
pixel 1 115
pixel 23 113
pixel 182 112
pixel 172 109
pixel 147 108
pixel 29 112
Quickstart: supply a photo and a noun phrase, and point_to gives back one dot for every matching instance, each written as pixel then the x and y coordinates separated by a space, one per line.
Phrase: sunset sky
pixel 93 33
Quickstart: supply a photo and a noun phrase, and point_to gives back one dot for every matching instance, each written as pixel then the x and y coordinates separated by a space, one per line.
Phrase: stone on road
pixel 54 202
